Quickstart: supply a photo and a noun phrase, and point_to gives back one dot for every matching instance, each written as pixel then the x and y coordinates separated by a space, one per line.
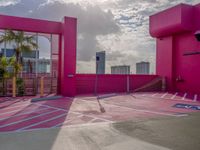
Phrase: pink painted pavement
pixel 20 114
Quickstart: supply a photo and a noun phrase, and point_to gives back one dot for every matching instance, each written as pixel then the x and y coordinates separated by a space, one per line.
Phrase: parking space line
pixel 29 118
pixel 154 94
pixel 23 113
pixel 40 122
pixel 66 121
pixel 164 95
pixel 157 98
pixel 92 120
pixel 184 96
pixel 72 111
pixel 145 111
pixel 195 97
pixel 7 108
pixel 51 107
pixel 16 110
pixel 174 95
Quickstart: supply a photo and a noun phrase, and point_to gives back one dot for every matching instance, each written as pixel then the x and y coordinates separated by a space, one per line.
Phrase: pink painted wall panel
pixel 31 25
pixel 173 20
pixel 164 62
pixel 85 83
pixel 187 66
pixel 137 81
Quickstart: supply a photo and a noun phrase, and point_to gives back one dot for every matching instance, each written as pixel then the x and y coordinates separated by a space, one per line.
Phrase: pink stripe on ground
pixel 13 112
pixel 22 113
pixel 49 123
pixel 10 108
pixel 29 122
pixel 25 116
pixel 59 121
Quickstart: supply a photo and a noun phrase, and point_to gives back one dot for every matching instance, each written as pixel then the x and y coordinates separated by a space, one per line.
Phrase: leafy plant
pixel 4 74
pixel 20 86
pixel 21 43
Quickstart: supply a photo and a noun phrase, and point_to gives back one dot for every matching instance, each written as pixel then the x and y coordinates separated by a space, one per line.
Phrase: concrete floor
pixel 166 133
pixel 153 124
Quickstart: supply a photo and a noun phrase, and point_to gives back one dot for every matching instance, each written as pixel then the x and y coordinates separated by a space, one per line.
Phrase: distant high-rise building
pixel 100 62
pixel 120 69
pixel 142 67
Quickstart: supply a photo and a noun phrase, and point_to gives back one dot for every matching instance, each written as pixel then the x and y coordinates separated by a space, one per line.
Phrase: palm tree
pixel 4 74
pixel 21 43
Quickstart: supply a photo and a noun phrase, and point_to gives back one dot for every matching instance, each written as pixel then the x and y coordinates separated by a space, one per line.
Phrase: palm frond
pixel 25 48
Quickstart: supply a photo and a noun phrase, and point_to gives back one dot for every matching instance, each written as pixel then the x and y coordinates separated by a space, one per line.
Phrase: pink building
pixel 177 47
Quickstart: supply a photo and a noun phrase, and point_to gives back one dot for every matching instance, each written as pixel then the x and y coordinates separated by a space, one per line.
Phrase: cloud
pixel 8 2
pixel 92 22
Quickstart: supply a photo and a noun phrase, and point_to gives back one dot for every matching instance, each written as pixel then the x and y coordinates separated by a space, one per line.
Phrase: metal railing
pixel 29 86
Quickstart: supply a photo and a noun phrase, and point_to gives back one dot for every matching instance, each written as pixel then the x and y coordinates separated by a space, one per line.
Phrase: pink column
pixel 59 64
pixel 68 61
pixel 164 60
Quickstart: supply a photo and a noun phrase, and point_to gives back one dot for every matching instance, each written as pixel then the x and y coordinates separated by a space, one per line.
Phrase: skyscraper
pixel 142 67
pixel 100 62
pixel 120 69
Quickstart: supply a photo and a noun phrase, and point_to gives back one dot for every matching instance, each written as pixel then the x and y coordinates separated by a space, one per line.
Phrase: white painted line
pixel 142 110
pixel 35 124
pixel 15 106
pixel 67 126
pixel 184 96
pixel 195 97
pixel 92 116
pixel 164 95
pixel 92 120
pixel 23 113
pixel 66 121
pixel 1 114
pixel 73 111
pixel 51 107
pixel 174 95
pixel 186 100
pixel 154 95
pixel 12 123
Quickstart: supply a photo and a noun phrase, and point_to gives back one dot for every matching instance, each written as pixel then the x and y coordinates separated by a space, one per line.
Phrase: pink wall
pixel 164 54
pixel 85 83
pixel 187 66
pixel 174 29
pixel 68 58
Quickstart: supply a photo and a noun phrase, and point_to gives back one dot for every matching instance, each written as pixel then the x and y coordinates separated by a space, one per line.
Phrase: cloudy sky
pixel 119 27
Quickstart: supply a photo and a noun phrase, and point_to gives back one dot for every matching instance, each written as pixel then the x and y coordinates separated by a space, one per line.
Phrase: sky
pixel 119 27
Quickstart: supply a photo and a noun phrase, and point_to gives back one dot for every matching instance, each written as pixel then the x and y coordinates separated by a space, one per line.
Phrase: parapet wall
pixel 109 83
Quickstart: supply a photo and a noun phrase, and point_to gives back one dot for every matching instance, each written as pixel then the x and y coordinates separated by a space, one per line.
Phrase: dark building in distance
pixel 100 62
pixel 120 69
pixel 142 67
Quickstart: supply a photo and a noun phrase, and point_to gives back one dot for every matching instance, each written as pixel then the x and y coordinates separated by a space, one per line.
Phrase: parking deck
pixel 20 114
